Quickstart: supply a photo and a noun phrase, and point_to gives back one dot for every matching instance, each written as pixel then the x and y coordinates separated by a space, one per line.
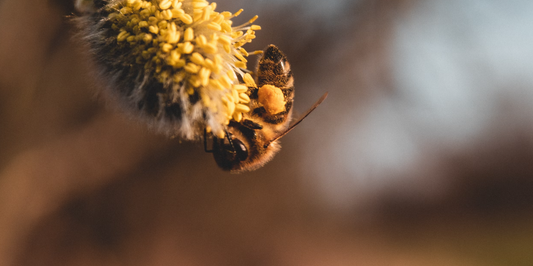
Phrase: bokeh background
pixel 421 155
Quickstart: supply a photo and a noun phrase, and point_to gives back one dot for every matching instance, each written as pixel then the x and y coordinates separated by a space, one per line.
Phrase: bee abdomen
pixel 274 69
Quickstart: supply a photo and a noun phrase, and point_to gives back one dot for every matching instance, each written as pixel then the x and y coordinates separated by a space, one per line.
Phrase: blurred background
pixel 421 155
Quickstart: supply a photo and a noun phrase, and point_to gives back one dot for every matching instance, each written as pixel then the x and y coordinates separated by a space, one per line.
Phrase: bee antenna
pixel 299 120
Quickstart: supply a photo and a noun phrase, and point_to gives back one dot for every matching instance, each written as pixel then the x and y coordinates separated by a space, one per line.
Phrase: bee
pixel 252 142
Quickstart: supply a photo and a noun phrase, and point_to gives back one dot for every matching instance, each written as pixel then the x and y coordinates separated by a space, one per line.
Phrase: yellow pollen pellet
pixel 131 39
pixel 271 97
pixel 197 58
pixel 191 68
pixel 186 18
pixel 188 35
pixel 165 4
pixel 188 47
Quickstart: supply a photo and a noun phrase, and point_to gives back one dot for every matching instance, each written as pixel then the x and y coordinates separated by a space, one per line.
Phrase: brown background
pixel 81 184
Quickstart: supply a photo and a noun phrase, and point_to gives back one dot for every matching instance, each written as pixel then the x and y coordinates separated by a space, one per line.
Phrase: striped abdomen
pixel 274 69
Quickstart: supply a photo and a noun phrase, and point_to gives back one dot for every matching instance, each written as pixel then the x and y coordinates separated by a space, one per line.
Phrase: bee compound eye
pixel 240 148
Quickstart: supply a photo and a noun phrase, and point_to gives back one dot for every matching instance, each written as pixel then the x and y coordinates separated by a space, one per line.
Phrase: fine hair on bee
pixel 252 142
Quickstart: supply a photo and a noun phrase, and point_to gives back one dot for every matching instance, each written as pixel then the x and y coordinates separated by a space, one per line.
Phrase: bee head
pixel 242 149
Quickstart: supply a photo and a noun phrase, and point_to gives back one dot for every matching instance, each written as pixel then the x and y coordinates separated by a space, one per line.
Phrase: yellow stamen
pixel 192 47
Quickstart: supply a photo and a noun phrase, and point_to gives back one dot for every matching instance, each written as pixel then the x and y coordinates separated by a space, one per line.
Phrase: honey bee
pixel 253 141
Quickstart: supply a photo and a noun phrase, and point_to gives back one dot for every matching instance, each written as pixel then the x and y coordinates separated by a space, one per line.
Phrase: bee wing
pixel 299 120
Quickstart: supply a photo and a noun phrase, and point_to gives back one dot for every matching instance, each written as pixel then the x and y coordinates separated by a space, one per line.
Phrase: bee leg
pixel 205 142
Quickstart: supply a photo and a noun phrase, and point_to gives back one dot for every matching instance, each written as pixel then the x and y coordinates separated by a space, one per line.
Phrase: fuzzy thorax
pixel 184 57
